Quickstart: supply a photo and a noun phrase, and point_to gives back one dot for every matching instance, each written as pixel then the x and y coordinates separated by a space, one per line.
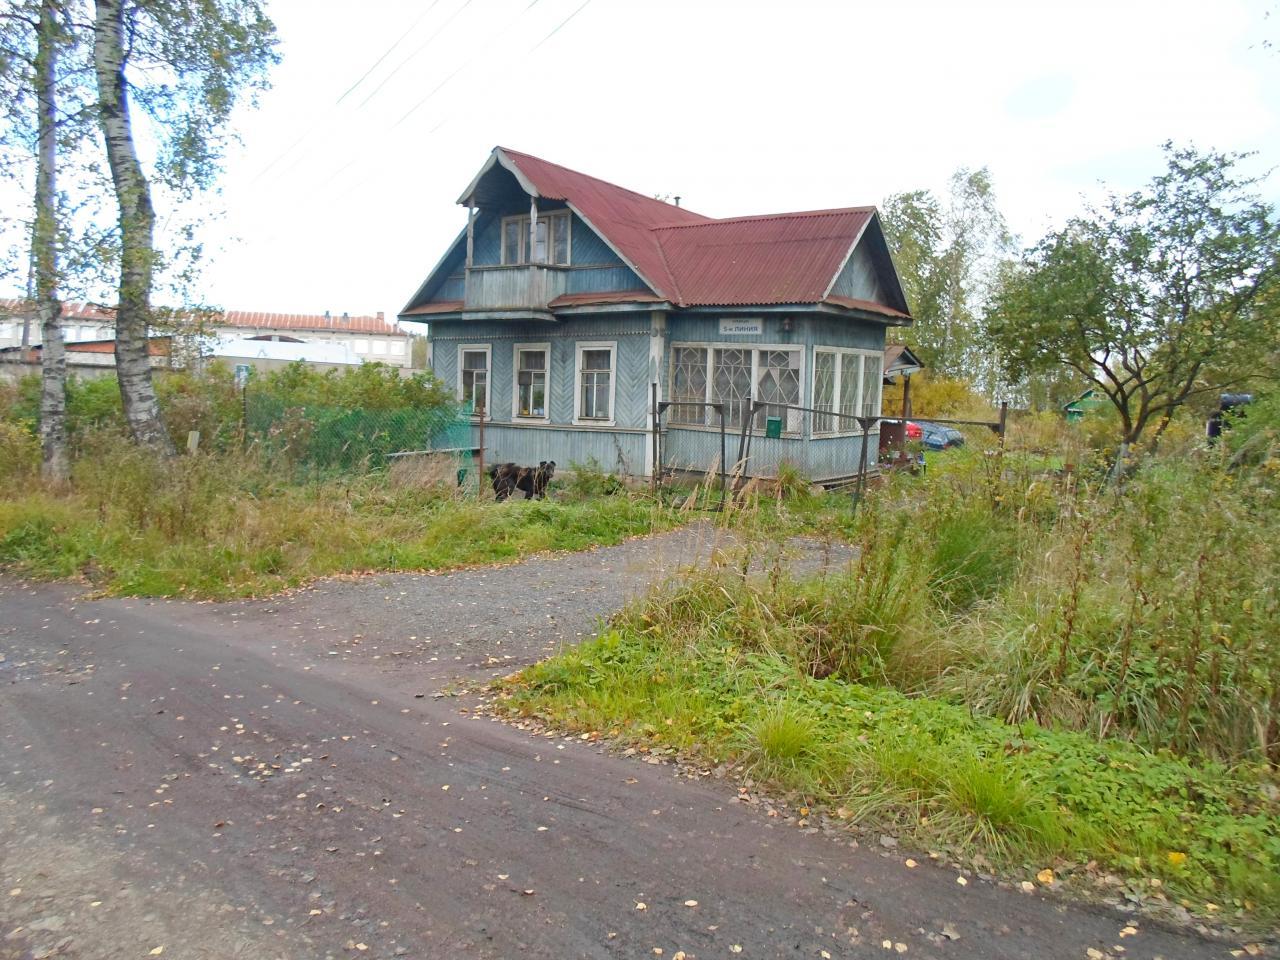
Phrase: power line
pixel 415 53
pixel 510 23
pixel 386 53
pixel 315 124
pixel 559 28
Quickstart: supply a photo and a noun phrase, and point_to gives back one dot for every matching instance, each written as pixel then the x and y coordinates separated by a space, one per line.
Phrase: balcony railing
pixel 524 287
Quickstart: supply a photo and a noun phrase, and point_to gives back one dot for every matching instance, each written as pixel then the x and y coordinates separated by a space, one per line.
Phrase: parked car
pixel 935 436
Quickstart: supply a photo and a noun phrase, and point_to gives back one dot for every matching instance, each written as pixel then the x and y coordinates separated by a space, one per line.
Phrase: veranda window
pixel 689 385
pixel 731 382
pixel 531 382
pixel 871 381
pixel 824 391
pixel 778 382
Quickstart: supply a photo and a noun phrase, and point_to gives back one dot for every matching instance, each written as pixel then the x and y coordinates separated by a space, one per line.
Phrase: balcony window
pixel 550 242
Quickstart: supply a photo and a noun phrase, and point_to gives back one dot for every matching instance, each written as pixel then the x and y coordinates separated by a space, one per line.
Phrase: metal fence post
pixel 480 468
pixel 723 475
pixel 657 464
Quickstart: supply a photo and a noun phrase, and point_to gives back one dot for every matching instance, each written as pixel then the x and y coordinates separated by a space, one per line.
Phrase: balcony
pixel 526 287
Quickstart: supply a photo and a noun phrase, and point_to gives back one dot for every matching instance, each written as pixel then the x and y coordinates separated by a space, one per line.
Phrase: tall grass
pixel 226 525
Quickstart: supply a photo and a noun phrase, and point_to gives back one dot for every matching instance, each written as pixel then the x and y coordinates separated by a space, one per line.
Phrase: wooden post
pixel 533 228
pixel 471 234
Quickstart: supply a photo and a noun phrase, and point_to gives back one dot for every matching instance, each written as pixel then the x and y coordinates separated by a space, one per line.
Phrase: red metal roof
pixel 438 306
pixel 622 217
pixel 780 258
pixel 694 260
pixel 852 303
pixel 617 296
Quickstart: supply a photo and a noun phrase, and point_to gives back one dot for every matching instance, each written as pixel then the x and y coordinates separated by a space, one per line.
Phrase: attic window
pixel 550 245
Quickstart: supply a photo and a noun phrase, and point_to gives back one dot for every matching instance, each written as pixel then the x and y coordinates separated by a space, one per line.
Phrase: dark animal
pixel 507 478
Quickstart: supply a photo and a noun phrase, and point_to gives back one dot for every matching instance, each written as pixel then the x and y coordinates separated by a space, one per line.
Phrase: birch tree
pixel 35 34
pixel 948 251
pixel 186 63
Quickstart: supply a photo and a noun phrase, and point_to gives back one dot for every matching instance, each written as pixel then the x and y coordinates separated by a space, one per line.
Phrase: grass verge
pixel 1148 825
pixel 210 528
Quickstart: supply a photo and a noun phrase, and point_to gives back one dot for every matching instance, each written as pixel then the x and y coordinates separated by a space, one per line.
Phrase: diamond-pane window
pixel 824 391
pixel 778 383
pixel 871 377
pixel 689 385
pixel 731 383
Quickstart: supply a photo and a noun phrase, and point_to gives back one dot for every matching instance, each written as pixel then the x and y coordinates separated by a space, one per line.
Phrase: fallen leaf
pixel 1128 931
pixel 1027 886
pixel 641 905
pixel 962 881
pixel 735 948
pixel 911 864
pixel 691 903
pixel 1093 954
pixel 1045 876
pixel 156 951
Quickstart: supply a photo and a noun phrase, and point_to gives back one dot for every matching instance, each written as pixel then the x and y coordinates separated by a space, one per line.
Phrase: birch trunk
pixel 137 227
pixel 53 360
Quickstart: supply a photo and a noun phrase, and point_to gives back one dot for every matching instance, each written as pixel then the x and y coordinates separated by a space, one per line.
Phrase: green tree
pixel 948 251
pixel 186 63
pixel 1146 295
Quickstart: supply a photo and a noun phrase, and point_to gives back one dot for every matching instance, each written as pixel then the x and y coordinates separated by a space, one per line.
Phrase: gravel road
pixel 277 779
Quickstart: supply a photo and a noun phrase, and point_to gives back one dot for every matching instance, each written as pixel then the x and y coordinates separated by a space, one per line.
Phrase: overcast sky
pixel 342 194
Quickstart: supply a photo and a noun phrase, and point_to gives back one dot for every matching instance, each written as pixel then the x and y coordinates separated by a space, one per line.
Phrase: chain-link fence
pixel 319 440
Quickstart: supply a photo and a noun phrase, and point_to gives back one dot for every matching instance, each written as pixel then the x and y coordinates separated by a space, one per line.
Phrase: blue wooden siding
pixel 860 279
pixel 631 361
pixel 830 458
pixel 825 458
pixel 616 451
pixel 595 268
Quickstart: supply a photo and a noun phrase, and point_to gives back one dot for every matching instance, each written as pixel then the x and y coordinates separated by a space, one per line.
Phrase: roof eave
pixel 422 288
pixel 498 157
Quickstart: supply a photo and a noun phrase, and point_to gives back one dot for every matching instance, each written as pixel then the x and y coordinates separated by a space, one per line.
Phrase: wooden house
pixel 566 299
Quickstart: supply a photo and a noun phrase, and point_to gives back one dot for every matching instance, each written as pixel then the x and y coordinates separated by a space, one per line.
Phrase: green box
pixel 773 427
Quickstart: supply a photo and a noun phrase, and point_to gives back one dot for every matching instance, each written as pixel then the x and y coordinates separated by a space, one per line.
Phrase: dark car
pixel 935 436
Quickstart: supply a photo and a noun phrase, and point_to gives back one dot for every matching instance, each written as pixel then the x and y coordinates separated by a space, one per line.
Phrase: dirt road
pixel 278 779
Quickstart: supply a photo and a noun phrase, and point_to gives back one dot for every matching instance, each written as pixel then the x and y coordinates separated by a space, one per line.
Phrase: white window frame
pixel 487 350
pixel 378 346
pixel 516 415
pixel 579 349
pixel 844 427
pixel 523 252
pixel 713 422
pixel 397 348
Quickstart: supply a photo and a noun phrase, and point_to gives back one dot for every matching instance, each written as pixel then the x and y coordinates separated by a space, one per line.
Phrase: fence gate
pixel 689 438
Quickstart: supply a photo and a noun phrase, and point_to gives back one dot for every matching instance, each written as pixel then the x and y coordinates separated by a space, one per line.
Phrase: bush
pixel 19 453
